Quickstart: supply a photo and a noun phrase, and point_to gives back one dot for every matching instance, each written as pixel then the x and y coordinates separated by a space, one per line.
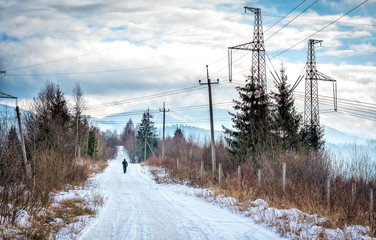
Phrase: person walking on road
pixel 125 165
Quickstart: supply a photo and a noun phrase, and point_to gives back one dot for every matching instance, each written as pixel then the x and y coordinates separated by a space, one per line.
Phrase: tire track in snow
pixel 138 208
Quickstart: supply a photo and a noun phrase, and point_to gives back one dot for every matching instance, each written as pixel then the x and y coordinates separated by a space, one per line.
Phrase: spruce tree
pixel 179 135
pixel 286 119
pixel 147 132
pixel 93 142
pixel 313 137
pixel 251 135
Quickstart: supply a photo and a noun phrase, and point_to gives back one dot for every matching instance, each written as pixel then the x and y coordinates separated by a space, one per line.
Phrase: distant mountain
pixel 338 142
pixel 198 118
pixel 196 134
pixel 335 136
pixel 6 110
pixel 9 112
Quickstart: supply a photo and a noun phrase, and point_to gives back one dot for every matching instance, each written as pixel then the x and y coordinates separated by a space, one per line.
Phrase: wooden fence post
pixel 371 205
pixel 239 173
pixel 177 164
pixel 328 192
pixel 353 191
pixel 220 172
pixel 202 170
pixel 283 177
pixel 259 177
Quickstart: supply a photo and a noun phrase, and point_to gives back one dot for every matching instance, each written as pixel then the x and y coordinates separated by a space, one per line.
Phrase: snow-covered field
pixel 135 207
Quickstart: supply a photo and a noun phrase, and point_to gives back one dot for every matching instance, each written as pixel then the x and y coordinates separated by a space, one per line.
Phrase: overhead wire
pixel 326 26
pixel 279 31
pixel 148 97
pixel 190 90
pixel 291 20
pixel 103 71
pixel 284 16
pixel 113 48
pixel 318 20
pixel 242 56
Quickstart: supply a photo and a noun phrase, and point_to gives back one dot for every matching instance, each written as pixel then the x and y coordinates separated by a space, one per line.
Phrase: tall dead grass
pixel 306 183
pixel 51 176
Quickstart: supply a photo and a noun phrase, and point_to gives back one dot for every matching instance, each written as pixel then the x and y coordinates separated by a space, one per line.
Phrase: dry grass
pixel 46 216
pixel 305 190
pixel 70 209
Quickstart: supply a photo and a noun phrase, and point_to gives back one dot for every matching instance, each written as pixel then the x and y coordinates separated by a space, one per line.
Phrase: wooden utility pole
pixel 214 161
pixel 21 135
pixel 164 127
pixel 23 148
pixel 27 165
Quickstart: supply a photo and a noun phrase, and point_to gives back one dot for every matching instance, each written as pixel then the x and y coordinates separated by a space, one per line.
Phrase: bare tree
pixel 78 98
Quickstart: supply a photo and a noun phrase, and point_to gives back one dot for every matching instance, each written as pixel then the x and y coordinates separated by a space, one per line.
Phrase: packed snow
pixel 135 207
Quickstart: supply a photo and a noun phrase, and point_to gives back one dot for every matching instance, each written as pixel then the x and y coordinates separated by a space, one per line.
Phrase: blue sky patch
pixel 8 38
pixel 119 28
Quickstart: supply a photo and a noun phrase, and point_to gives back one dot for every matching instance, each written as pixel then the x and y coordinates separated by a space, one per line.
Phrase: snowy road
pixel 138 208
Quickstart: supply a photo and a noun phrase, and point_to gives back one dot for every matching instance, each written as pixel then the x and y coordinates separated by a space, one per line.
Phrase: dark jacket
pixel 125 163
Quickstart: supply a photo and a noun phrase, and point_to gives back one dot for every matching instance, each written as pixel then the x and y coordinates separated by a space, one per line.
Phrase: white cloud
pixel 180 36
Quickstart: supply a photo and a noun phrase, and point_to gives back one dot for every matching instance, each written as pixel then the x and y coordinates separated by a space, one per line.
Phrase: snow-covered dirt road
pixel 137 208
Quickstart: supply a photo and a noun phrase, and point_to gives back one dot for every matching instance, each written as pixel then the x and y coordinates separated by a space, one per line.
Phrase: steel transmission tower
pixel 311 102
pixel 258 69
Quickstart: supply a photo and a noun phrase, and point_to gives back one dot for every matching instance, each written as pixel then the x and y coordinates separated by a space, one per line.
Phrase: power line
pixel 340 22
pixel 291 20
pixel 284 16
pixel 103 71
pixel 148 97
pixel 319 29
pixel 223 68
pixel 157 95
pixel 190 90
pixel 109 49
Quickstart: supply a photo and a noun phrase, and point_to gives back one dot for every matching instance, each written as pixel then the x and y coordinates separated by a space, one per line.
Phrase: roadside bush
pixel 306 182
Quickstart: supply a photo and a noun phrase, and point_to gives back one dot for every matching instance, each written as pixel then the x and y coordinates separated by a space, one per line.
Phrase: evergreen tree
pixel 92 149
pixel 313 137
pixel 146 132
pixel 51 121
pixel 286 119
pixel 179 135
pixel 251 133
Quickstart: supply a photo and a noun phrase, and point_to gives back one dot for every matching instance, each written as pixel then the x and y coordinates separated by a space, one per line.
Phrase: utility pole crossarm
pixel 251 9
pixel 4 95
pixel 323 77
pixel 245 46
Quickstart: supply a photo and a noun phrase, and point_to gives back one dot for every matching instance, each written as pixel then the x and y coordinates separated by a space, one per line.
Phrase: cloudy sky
pixel 134 54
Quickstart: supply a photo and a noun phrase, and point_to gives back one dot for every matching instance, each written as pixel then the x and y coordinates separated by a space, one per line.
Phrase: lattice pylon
pixel 311 101
pixel 257 46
